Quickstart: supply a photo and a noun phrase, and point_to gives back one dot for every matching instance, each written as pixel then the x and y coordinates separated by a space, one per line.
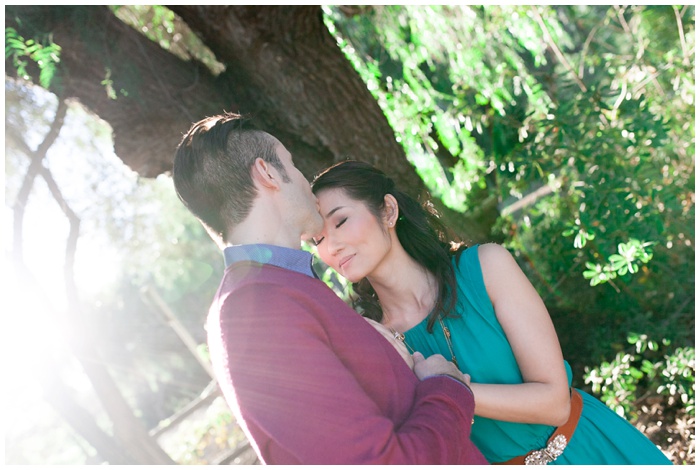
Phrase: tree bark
pixel 282 67
pixel 157 95
pixel 285 68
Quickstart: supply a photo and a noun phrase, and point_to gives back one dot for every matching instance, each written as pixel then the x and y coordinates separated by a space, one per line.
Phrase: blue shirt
pixel 287 258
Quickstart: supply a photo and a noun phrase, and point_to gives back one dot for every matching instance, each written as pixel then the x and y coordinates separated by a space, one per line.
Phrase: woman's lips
pixel 344 261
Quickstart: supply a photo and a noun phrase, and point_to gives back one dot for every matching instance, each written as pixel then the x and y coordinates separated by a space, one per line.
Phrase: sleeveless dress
pixel 483 351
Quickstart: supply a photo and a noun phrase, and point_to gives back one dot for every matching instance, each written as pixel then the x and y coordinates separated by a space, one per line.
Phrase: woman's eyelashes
pixel 318 242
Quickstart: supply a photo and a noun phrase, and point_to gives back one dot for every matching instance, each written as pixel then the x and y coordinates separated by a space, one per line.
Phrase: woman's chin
pixel 349 277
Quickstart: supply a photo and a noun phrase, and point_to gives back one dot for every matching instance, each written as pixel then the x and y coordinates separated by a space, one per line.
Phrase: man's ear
pixel 264 174
pixel 391 210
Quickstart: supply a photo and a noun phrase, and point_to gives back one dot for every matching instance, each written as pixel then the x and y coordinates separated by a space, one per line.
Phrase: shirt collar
pixel 287 258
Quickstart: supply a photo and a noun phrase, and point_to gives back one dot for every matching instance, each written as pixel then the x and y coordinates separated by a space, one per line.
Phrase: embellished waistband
pixel 557 442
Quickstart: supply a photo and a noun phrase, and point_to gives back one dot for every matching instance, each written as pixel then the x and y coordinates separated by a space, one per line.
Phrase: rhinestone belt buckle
pixel 549 454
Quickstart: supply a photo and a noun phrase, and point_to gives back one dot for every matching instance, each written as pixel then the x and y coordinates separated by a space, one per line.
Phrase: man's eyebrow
pixel 333 211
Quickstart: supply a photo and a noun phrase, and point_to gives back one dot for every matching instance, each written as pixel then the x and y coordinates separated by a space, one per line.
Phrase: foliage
pixel 44 53
pixel 332 279
pixel 201 437
pixel 646 367
pixel 626 260
pixel 623 161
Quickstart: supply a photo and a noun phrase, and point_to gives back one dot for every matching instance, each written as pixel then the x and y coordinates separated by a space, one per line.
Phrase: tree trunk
pixel 282 67
pixel 133 443
pixel 61 398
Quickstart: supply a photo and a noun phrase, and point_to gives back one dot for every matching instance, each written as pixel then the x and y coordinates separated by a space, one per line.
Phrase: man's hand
pixel 436 365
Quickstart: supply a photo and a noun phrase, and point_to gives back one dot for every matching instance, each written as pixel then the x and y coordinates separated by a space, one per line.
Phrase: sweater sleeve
pixel 303 405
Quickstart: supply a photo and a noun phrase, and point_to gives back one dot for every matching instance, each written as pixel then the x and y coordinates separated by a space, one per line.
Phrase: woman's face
pixel 353 242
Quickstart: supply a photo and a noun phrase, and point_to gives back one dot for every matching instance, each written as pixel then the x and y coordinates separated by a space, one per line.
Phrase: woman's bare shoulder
pixel 493 252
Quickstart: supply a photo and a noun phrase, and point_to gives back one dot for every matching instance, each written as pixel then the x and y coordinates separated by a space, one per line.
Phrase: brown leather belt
pixel 557 442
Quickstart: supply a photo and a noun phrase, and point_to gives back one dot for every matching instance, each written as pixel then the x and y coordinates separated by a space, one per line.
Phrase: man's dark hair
pixel 212 169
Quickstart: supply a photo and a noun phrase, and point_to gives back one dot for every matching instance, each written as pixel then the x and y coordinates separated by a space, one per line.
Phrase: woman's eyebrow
pixel 333 211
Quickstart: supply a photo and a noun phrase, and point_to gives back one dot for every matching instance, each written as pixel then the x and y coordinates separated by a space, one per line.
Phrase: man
pixel 309 380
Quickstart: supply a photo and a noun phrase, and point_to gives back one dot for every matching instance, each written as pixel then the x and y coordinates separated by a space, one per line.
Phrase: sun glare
pixel 35 322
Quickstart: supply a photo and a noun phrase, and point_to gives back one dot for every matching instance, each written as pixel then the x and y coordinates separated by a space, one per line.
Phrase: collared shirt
pixel 287 258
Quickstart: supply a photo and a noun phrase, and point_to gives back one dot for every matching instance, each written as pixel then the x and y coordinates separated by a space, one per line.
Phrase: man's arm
pixel 291 387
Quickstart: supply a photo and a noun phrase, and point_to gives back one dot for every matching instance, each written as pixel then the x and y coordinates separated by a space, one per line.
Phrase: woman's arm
pixel 544 396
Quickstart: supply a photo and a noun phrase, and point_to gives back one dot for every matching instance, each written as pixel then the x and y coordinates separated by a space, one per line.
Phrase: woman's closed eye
pixel 319 240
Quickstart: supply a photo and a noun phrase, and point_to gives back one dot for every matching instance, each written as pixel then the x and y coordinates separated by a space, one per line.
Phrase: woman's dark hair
pixel 420 231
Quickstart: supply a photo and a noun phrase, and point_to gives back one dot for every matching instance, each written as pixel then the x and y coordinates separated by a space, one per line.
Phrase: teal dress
pixel 483 352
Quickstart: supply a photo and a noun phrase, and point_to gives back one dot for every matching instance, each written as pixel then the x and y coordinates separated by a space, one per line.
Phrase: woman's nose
pixel 334 246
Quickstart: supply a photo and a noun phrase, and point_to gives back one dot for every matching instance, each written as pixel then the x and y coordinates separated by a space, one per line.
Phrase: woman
pixel 404 271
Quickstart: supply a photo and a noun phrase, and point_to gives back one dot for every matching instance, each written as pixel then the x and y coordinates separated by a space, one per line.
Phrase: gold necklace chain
pixel 401 337
pixel 448 339
pixel 445 331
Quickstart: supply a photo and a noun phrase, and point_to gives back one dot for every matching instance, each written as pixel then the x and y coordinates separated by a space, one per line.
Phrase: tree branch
pixel 681 35
pixel 71 241
pixel 37 158
pixel 587 44
pixel 555 48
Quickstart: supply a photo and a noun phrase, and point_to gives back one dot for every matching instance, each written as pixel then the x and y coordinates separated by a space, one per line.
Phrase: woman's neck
pixel 407 292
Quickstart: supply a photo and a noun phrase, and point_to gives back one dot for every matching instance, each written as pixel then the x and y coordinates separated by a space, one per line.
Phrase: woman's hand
pixel 435 365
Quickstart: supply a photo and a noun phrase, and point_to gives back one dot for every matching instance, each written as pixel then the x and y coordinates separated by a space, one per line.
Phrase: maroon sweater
pixel 311 382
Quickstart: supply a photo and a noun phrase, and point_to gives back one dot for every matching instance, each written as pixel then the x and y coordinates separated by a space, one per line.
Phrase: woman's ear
pixel 263 174
pixel 391 210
